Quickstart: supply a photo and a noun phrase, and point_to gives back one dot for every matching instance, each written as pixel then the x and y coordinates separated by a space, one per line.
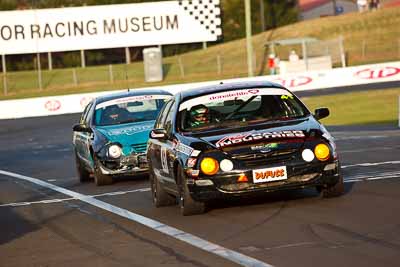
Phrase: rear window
pixel 239 107
pixel 129 109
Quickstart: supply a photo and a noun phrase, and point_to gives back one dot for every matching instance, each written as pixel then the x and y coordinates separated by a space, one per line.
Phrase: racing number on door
pixel 164 163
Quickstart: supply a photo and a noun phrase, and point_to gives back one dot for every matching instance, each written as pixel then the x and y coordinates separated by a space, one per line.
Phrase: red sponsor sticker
pixel 270 174
pixel 52 105
pixel 377 73
pixel 191 162
pixel 294 82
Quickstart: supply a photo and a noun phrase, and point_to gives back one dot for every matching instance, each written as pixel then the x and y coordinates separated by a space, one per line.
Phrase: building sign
pixel 111 26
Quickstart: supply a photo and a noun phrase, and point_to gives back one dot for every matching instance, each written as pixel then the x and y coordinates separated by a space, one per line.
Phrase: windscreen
pixel 129 109
pixel 239 108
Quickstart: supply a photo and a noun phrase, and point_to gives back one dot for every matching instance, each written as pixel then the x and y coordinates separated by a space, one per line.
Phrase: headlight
pixel 322 152
pixel 307 155
pixel 114 151
pixel 226 165
pixel 209 166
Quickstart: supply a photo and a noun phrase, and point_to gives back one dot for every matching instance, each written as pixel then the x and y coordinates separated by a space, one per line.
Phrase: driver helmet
pixel 199 115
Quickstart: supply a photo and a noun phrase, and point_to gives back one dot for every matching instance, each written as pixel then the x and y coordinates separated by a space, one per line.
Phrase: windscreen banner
pixel 109 26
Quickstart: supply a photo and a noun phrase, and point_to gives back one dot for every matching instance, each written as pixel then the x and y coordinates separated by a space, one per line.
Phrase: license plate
pixel 269 174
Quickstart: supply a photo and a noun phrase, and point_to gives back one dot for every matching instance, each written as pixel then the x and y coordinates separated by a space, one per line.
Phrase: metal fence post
pixel 83 60
pixel 127 55
pixel 181 67
pixel 254 60
pixel 3 60
pixel 74 77
pixel 305 57
pixel 399 47
pixel 364 48
pixel 39 68
pixel 110 72
pixel 342 54
pixel 50 61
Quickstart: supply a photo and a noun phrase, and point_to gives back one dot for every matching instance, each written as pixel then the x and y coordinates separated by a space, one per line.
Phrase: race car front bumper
pixel 299 176
pixel 125 166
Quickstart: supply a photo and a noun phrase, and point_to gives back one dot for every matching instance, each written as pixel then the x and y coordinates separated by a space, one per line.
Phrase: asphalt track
pixel 56 221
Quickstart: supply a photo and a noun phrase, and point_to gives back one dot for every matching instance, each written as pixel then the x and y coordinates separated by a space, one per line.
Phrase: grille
pixel 139 148
pixel 260 159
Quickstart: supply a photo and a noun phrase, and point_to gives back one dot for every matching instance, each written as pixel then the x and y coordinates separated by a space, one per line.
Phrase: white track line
pixel 153 224
pixel 58 200
pixel 371 178
pixel 371 164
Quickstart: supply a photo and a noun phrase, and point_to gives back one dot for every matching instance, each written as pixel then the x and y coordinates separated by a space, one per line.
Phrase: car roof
pixel 219 87
pixel 133 92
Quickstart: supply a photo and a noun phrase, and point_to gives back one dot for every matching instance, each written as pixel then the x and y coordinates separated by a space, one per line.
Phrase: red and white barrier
pixel 316 80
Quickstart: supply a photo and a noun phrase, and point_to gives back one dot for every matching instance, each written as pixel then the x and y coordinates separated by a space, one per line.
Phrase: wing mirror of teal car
pixel 321 113
pixel 81 128
pixel 160 134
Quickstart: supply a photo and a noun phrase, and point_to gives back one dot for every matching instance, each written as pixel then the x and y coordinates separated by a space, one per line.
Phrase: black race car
pixel 111 137
pixel 238 139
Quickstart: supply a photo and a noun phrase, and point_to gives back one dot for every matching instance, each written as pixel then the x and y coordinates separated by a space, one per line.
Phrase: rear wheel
pixel 187 204
pixel 100 178
pixel 160 197
pixel 83 174
pixel 334 190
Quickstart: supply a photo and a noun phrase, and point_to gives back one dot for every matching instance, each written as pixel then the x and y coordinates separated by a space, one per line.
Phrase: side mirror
pixel 159 134
pixel 321 113
pixel 81 128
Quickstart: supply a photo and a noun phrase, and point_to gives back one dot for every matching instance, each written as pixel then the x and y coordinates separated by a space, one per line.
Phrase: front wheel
pixel 334 190
pixel 100 178
pixel 187 204
pixel 160 197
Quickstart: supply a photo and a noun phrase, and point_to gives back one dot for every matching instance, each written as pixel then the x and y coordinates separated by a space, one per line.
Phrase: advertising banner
pixel 109 26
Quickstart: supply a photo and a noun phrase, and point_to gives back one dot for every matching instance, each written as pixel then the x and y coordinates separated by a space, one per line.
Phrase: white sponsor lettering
pixel 252 136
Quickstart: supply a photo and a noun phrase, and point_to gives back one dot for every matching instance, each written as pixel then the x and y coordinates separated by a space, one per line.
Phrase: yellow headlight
pixel 321 151
pixel 209 166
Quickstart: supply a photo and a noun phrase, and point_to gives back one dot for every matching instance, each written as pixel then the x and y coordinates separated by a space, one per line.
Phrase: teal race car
pixel 110 139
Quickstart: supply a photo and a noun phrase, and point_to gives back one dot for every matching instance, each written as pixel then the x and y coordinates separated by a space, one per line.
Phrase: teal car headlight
pixel 114 151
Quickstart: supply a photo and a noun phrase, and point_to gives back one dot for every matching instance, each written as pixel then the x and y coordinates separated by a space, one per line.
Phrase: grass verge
pixel 368 107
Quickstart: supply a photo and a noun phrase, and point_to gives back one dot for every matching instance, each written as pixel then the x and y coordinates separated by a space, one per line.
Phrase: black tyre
pixel 100 178
pixel 334 190
pixel 187 204
pixel 83 174
pixel 160 197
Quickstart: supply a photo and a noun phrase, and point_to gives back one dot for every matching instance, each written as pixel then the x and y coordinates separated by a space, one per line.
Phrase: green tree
pixel 276 13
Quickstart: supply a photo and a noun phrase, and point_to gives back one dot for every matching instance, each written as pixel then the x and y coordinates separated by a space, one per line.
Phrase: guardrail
pixel 316 80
